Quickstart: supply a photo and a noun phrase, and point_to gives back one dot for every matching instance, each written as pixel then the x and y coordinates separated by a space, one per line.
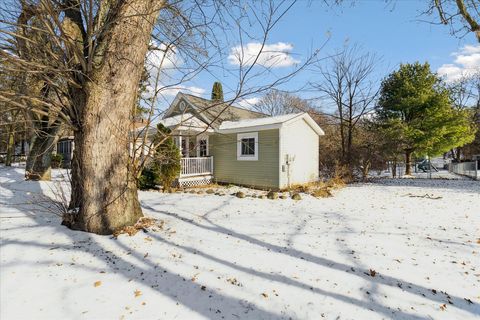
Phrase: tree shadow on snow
pixel 204 301
pixel 360 271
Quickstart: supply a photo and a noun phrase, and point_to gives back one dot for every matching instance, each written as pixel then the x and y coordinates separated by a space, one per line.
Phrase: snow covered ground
pixel 402 249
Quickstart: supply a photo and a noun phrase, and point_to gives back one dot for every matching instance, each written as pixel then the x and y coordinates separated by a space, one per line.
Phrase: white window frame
pixel 248 135
pixel 202 137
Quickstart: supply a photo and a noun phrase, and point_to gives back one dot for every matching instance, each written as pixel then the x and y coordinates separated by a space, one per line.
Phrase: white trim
pixel 249 135
pixel 309 121
pixel 305 116
pixel 280 158
pixel 250 129
pixel 202 137
pixel 174 104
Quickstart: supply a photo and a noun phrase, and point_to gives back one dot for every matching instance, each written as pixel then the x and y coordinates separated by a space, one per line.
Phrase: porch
pixel 196 166
pixel 195 171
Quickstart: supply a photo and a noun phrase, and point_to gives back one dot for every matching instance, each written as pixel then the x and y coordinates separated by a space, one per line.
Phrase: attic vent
pixel 183 105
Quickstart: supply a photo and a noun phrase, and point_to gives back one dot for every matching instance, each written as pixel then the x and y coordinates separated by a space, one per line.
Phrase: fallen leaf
pixel 443 307
pixel 137 293
pixel 265 295
pixel 373 272
pixel 97 283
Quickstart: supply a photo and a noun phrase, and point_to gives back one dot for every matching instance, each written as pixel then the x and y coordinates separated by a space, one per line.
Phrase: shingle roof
pixel 217 112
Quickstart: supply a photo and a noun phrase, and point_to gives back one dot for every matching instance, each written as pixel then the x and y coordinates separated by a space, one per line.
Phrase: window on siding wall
pixel 247 146
pixel 203 148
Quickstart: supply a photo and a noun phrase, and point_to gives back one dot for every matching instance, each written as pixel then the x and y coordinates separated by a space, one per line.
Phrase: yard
pixel 404 249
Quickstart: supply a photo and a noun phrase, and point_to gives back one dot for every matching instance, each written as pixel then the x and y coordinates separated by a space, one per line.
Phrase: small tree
pixel 166 164
pixel 217 92
pixel 416 102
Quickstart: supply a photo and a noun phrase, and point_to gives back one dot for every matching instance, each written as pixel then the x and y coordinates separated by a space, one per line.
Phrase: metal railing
pixel 196 166
pixel 470 169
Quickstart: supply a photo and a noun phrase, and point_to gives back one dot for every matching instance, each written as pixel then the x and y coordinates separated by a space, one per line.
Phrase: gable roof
pixel 269 123
pixel 213 112
pixel 185 121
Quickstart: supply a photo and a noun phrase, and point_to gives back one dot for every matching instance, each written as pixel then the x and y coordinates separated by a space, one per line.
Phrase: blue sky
pixel 393 32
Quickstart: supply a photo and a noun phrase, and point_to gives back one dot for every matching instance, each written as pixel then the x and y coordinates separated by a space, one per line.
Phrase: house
pixel 227 144
pixel 65 146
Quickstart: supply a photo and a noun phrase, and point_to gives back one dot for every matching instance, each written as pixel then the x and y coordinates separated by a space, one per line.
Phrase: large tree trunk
pixel 10 146
pixel 39 158
pixel 408 162
pixel 104 191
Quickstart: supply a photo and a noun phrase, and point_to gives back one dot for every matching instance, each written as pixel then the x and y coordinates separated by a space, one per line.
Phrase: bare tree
pixel 346 84
pixel 463 16
pixel 92 68
pixel 276 102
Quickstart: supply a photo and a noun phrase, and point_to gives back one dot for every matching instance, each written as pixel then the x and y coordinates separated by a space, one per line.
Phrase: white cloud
pixel 167 62
pixel 159 57
pixel 272 55
pixel 248 103
pixel 466 62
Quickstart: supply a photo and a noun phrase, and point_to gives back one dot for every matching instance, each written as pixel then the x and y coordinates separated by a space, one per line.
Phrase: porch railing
pixel 196 166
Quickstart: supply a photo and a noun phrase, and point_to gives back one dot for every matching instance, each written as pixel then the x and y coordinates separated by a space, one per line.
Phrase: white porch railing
pixel 196 166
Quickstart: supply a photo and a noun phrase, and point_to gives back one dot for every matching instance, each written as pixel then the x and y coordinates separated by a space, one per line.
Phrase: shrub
pixel 147 179
pixel 56 160
pixel 167 157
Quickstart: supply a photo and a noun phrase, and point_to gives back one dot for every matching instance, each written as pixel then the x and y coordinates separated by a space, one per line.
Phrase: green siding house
pixel 227 144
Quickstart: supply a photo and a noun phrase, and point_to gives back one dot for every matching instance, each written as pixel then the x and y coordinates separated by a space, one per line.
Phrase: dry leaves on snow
pixel 142 224
pixel 97 284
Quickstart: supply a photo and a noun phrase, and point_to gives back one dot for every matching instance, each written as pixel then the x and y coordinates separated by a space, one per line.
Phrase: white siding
pixel 298 140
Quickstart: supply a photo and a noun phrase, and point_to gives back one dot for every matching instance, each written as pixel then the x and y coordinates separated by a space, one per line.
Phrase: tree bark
pixel 365 170
pixel 39 158
pixel 104 190
pixel 394 169
pixel 10 146
pixel 408 161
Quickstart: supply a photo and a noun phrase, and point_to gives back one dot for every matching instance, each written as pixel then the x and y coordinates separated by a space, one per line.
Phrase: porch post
pixel 180 143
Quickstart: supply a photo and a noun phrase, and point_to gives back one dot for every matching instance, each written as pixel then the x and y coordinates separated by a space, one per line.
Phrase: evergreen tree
pixel 416 103
pixel 217 92
pixel 166 164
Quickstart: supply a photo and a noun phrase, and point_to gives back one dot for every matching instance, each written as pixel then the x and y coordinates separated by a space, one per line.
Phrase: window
pixel 183 106
pixel 184 147
pixel 247 146
pixel 65 148
pixel 203 148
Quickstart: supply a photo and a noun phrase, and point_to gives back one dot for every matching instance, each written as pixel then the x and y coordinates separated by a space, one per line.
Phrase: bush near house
pixel 165 165
pixel 56 160
pixel 148 179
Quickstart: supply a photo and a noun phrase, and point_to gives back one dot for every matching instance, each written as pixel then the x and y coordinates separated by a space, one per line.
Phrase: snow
pixel 220 257
pixel 228 125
